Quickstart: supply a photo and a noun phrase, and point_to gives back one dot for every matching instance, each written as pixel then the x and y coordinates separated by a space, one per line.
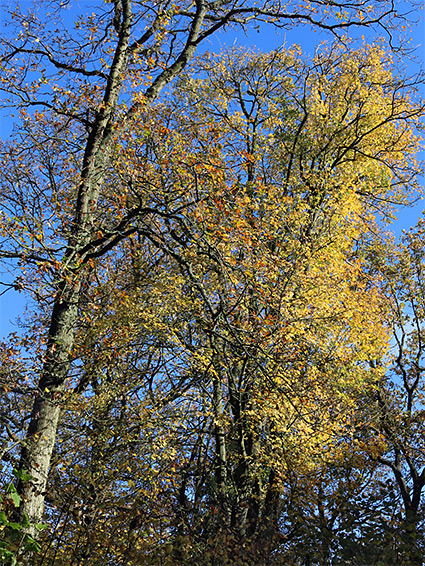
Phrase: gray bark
pixel 37 451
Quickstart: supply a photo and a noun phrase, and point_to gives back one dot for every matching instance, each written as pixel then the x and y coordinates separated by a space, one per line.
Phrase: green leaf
pixel 22 475
pixel 16 498
pixel 10 488
pixel 31 544
pixel 41 526
pixel 25 521
pixel 15 526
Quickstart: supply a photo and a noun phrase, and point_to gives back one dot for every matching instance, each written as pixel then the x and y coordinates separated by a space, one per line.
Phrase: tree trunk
pixel 411 554
pixel 41 435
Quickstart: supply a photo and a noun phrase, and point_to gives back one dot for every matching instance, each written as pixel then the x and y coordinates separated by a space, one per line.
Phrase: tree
pixel 239 98
pixel 81 94
pixel 229 355
pixel 399 399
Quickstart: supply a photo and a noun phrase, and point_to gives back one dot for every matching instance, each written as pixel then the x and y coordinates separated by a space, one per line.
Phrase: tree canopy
pixel 206 370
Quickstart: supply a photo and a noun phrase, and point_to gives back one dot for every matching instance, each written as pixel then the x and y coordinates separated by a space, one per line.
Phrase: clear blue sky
pixel 12 303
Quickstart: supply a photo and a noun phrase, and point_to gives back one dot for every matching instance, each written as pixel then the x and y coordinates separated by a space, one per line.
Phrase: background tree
pixel 399 399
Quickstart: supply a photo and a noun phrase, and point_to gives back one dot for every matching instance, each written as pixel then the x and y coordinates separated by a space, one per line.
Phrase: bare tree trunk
pixel 41 435
pixel 220 451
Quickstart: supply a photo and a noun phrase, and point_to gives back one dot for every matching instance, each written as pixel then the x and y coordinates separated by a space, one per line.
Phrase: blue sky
pixel 266 38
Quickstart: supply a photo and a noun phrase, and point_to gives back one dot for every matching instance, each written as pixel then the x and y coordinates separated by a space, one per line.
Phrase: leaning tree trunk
pixel 41 435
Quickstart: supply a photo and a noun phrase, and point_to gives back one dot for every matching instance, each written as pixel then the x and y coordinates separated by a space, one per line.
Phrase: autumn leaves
pixel 209 349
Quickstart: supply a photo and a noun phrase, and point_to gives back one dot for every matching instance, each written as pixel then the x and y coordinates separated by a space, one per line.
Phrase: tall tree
pixel 79 92
pixel 249 331
pixel 274 231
